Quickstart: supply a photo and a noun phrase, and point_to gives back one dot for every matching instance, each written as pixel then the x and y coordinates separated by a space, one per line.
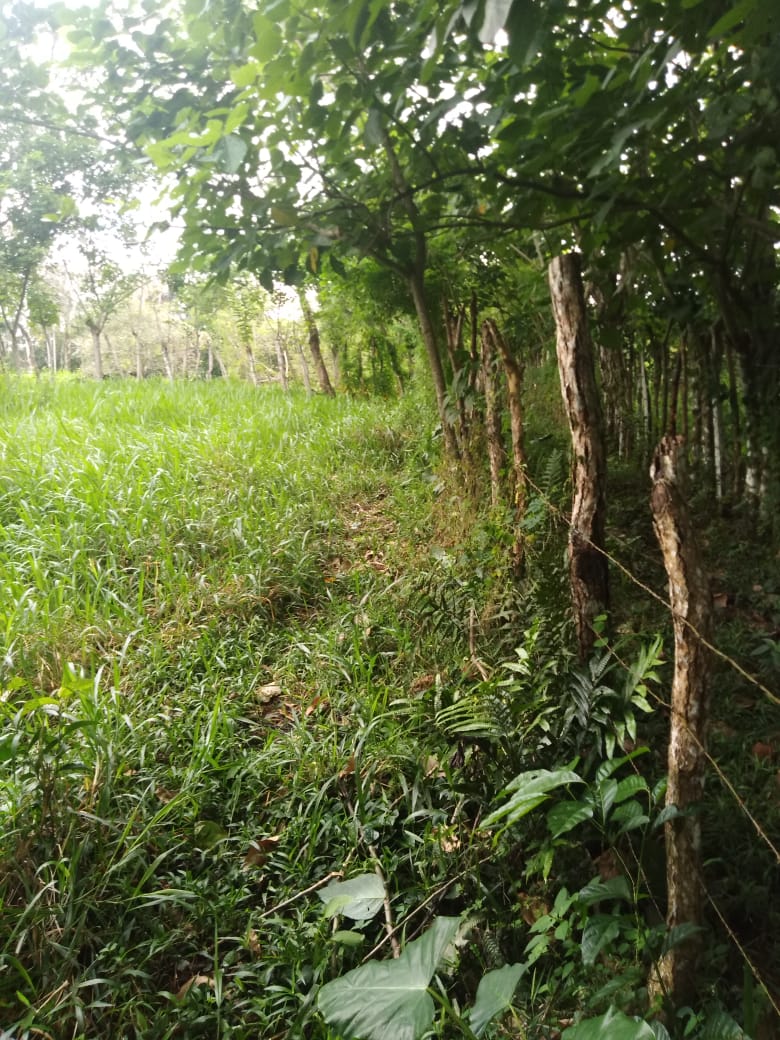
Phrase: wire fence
pixel 729 786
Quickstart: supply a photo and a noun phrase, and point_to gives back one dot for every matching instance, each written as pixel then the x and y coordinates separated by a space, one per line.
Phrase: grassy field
pixel 197 651
pixel 255 643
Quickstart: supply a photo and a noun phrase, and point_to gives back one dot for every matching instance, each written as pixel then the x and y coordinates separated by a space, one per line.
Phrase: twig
pixel 299 895
pixel 436 892
pixel 396 946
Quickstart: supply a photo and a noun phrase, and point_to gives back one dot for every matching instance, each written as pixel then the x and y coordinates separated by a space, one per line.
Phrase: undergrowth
pixel 246 653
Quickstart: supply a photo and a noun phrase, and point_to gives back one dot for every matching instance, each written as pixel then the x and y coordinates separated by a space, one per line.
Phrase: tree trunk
pixel 96 351
pixel 689 593
pixel 336 354
pixel 514 389
pixel 114 355
pixel 493 431
pixel 395 365
pixel 736 424
pixel 453 334
pixel 663 418
pixel 166 356
pixel 50 336
pixel 13 323
pixel 416 282
pixel 304 366
pixel 32 368
pixel 415 279
pixel 314 345
pixel 281 358
pixel 716 407
pixel 250 359
pixel 588 571
pixel 645 404
pixel 139 355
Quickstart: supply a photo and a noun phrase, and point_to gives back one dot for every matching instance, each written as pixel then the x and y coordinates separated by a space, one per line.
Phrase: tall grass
pixel 123 506
pixel 188 668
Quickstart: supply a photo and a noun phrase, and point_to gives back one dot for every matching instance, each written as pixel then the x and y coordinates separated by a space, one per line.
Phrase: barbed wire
pixel 705 752
pixel 724 779
pixel 743 808
pixel 743 952
pixel 561 514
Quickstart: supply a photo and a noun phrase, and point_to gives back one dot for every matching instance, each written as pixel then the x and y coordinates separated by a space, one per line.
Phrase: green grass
pixel 242 643
pixel 167 552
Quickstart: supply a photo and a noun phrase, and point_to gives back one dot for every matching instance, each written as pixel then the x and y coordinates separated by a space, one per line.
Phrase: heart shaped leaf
pixel 494 995
pixel 389 1000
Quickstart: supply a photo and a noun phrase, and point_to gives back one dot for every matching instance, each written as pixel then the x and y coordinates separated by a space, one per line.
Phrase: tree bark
pixel 645 404
pixel 734 415
pixel 139 355
pixel 250 358
pixel 453 334
pixel 514 390
pixel 281 358
pixel 416 282
pixel 336 355
pixel 304 366
pixel 689 592
pixel 97 354
pixel 114 355
pixel 314 345
pixel 588 572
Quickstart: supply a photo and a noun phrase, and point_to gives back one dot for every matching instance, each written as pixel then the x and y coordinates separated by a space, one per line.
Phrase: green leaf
pixel 236 117
pixel 268 38
pixel 629 816
pixel 660 1030
pixel 607 790
pixel 597 890
pixel 496 14
pixel 583 94
pixel 731 18
pixel 669 812
pixel 359 897
pixel 565 817
pixel 530 789
pixel 608 768
pixel 348 938
pixel 599 931
pixel 245 75
pixel 524 30
pixel 233 149
pixel 389 1000
pixel 494 995
pixel 284 217
pixel 679 934
pixel 7 747
pixel 374 129
pixel 614 1025
pixel 721 1026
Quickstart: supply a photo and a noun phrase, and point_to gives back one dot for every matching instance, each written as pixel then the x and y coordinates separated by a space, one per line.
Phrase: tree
pixel 691 604
pixel 589 576
pixel 314 343
pixel 231 128
pixel 101 290
pixel 247 302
